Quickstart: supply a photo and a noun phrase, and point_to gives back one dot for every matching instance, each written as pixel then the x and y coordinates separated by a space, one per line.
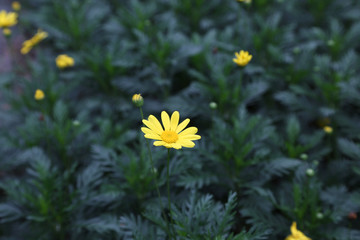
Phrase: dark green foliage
pixel 76 166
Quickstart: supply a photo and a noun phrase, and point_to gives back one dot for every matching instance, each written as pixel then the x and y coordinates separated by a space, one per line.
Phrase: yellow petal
pixel 159 143
pixel 186 143
pixel 188 131
pixel 152 136
pixel 190 137
pixel 182 125
pixel 174 120
pixel 156 124
pixel 168 145
pixel 290 237
pixel 165 120
pixel 176 145
pixel 152 127
pixel 293 228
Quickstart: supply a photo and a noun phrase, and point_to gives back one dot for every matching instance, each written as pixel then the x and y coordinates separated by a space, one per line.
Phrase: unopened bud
pixel 138 100
pixel 7 32
pixel 319 215
pixel 310 172
pixel 303 156
pixel 213 105
pixel 328 129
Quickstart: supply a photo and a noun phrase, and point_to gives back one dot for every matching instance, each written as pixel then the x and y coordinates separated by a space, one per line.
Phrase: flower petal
pixel 174 120
pixel 186 143
pixel 293 228
pixel 168 145
pixel 190 137
pixel 165 120
pixel 147 130
pixel 159 143
pixel 176 145
pixel 188 131
pixel 152 127
pixel 182 125
pixel 153 136
pixel 156 124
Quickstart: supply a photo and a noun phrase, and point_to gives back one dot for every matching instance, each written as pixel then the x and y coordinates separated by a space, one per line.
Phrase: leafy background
pixel 75 165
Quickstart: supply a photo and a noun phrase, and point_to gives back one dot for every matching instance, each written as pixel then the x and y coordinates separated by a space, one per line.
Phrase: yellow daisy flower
pixel 296 234
pixel 328 129
pixel 29 44
pixel 173 134
pixel 7 19
pixel 242 58
pixel 16 6
pixel 64 61
pixel 39 94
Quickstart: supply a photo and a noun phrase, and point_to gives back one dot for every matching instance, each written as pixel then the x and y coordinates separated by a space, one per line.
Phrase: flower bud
pixel 328 129
pixel 303 156
pixel 76 123
pixel 138 100
pixel 39 94
pixel 213 105
pixel 16 6
pixel 7 32
pixel 310 172
pixel 319 215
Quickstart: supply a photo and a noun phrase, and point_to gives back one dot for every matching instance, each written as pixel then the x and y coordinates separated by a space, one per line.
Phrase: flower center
pixel 169 136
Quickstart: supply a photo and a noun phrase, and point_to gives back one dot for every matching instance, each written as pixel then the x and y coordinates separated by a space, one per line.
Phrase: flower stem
pixel 168 185
pixel 155 179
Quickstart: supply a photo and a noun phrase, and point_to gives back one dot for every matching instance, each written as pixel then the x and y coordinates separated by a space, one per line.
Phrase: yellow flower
pixel 64 61
pixel 242 58
pixel 138 100
pixel 245 1
pixel 16 6
pixel 7 19
pixel 39 94
pixel 296 234
pixel 29 44
pixel 328 129
pixel 173 134
pixel 6 32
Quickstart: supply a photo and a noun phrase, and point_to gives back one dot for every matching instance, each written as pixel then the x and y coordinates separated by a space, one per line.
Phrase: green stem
pixel 155 179
pixel 168 185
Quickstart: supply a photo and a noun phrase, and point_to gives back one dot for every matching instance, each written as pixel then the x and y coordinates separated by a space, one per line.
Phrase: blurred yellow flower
pixel 16 6
pixel 39 94
pixel 7 19
pixel 242 58
pixel 7 32
pixel 244 1
pixel 296 234
pixel 64 61
pixel 138 100
pixel 328 129
pixel 173 134
pixel 29 44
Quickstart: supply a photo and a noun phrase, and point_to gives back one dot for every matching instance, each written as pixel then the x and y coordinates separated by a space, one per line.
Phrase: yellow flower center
pixel 169 136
